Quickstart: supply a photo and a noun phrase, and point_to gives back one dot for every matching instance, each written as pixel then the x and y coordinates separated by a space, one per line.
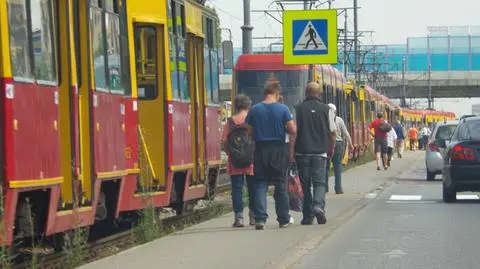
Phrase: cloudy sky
pixel 391 20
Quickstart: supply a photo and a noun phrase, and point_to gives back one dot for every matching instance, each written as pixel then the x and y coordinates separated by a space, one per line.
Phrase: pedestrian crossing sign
pixel 310 37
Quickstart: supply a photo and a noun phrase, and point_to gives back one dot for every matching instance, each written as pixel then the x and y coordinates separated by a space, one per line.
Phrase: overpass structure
pixel 442 84
pixel 443 64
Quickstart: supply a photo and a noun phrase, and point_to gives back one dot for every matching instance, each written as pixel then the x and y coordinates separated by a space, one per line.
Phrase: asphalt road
pixel 407 227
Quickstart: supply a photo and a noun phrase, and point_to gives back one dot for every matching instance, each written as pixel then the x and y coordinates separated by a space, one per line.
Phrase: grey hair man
pixel 313 144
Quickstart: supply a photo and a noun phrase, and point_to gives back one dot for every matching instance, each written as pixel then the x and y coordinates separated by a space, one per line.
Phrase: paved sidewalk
pixel 215 245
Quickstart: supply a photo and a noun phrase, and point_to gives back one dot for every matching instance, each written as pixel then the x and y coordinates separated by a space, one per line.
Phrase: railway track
pixel 121 241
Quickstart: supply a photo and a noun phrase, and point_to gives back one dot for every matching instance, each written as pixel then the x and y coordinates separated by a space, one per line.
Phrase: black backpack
pixel 240 145
pixel 385 127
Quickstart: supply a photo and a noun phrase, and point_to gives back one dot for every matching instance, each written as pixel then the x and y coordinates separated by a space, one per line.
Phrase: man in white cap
pixel 336 159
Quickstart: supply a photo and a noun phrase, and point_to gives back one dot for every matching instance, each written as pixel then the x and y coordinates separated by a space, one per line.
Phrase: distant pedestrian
pixel 238 174
pixel 380 135
pixel 312 146
pixel 400 138
pixel 342 136
pixel 413 136
pixel 391 138
pixel 269 121
pixel 425 133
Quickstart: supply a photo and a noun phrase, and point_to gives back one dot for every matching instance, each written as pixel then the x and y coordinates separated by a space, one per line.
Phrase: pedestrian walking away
pixel 400 138
pixel 238 145
pixel 310 148
pixel 380 130
pixel 425 133
pixel 339 152
pixel 391 138
pixel 413 136
pixel 268 122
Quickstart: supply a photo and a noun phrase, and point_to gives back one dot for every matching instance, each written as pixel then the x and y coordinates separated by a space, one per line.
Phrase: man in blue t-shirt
pixel 269 122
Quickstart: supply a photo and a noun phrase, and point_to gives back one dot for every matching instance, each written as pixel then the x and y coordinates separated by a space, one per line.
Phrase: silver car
pixel 436 146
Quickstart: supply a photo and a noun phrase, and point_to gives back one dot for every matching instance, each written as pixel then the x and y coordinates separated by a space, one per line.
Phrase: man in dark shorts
pixel 268 122
pixel 380 137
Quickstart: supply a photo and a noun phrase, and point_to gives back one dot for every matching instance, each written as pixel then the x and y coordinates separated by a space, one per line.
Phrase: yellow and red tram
pixel 356 104
pixel 106 106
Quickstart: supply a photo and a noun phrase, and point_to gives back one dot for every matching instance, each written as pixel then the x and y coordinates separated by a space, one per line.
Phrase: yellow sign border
pixel 292 15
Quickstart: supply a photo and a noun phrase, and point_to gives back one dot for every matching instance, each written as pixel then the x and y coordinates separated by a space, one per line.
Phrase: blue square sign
pixel 310 37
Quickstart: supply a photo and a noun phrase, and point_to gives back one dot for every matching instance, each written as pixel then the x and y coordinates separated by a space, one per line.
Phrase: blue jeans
pixel 237 194
pixel 337 159
pixel 311 170
pixel 282 205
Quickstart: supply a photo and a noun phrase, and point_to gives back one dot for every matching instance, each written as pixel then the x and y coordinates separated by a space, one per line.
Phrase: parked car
pixel 461 171
pixel 436 146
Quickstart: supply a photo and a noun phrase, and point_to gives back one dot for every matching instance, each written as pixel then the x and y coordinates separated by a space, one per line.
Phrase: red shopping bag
pixel 295 191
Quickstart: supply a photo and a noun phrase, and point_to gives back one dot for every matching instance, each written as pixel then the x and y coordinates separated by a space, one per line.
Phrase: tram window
pixel 182 53
pixel 32 40
pixel 95 3
pixel 172 29
pixel 113 51
pixel 19 45
pixel 215 77
pixel 99 61
pixel 146 62
pixel 108 5
pixel 107 48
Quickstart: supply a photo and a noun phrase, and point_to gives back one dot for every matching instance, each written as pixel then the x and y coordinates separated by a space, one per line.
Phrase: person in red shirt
pixel 380 136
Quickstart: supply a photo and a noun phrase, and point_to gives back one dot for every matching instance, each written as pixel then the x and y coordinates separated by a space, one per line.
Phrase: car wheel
pixel 430 176
pixel 449 195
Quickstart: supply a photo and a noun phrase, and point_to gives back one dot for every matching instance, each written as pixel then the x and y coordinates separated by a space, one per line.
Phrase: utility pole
pixel 345 36
pixel 246 29
pixel 404 85
pixel 430 105
pixel 355 41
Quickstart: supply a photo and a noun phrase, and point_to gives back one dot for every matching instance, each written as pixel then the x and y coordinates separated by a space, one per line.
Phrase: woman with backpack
pixel 239 148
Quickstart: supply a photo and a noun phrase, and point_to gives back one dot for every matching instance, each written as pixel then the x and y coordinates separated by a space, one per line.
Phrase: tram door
pixel 150 69
pixel 197 92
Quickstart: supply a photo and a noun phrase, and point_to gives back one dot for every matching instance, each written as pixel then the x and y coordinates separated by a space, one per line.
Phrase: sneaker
pixel 378 168
pixel 252 220
pixel 339 192
pixel 260 226
pixel 307 221
pixel 320 214
pixel 238 223
pixel 285 225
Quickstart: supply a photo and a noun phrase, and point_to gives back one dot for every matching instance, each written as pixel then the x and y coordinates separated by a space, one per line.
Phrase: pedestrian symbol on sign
pixel 310 36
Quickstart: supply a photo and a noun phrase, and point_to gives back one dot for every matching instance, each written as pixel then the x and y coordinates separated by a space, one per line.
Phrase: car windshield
pixel 445 131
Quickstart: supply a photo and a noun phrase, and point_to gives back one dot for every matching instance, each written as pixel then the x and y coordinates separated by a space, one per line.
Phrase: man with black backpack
pixel 380 131
pixel 239 147
pixel 269 121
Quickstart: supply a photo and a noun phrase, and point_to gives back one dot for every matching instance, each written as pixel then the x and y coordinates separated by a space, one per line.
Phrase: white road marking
pixel 371 195
pixel 467 197
pixel 405 198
